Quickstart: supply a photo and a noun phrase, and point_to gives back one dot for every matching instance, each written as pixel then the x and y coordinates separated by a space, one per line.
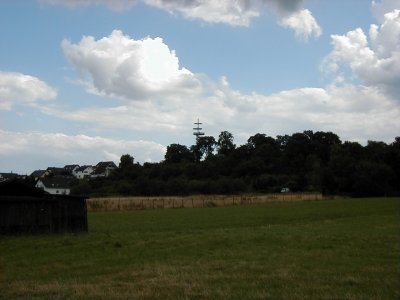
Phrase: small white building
pixel 70 168
pixel 55 185
pixel 104 169
pixel 83 172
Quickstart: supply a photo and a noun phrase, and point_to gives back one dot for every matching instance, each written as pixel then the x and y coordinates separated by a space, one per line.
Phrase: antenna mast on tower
pixel 197 130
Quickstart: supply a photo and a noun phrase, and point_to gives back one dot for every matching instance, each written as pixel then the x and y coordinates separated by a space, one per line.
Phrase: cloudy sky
pixel 83 81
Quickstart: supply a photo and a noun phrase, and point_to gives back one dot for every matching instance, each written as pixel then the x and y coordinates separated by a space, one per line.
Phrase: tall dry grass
pixel 131 203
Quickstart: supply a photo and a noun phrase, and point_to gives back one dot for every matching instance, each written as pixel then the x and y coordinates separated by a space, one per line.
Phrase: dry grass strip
pixel 132 203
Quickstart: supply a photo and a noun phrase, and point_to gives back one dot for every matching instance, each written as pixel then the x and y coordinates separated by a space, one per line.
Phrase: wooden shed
pixel 26 209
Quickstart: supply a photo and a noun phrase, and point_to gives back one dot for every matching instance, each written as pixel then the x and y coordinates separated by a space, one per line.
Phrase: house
pixel 83 172
pixel 285 190
pixel 69 169
pixel 38 174
pixel 55 171
pixel 8 176
pixel 55 185
pixel 104 169
pixel 26 209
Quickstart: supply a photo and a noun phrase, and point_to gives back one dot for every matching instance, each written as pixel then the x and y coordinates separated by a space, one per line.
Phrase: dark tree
pixel 177 153
pixel 205 145
pixel 375 151
pixel 298 147
pixel 393 160
pixel 322 142
pixel 282 141
pixel 260 139
pixel 372 179
pixel 126 162
pixel 225 145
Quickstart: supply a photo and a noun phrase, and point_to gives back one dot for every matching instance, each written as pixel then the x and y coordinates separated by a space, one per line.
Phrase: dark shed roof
pixel 26 209
pixel 18 188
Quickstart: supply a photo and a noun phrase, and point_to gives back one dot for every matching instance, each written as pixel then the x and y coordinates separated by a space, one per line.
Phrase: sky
pixel 84 81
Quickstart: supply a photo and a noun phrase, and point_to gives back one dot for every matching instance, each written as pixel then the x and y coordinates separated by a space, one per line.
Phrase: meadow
pixel 325 249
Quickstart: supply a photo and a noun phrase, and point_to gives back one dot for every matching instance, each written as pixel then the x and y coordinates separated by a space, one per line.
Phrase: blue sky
pixel 83 81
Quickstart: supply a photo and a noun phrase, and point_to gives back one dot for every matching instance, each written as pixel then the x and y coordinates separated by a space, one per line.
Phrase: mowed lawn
pixel 328 249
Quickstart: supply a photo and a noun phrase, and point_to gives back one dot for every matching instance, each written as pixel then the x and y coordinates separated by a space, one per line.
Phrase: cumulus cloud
pixel 380 7
pixel 235 13
pixel 171 117
pixel 375 60
pixel 121 67
pixel 59 149
pixel 354 112
pixel 17 88
pixel 303 24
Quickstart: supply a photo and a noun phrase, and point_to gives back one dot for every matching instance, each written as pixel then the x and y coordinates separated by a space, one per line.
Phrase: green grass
pixel 336 249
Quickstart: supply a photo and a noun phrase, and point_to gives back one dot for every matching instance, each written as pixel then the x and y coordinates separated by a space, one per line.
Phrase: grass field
pixel 331 249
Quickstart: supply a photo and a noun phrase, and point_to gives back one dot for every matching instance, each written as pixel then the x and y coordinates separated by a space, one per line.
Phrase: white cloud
pixel 385 39
pixel 58 149
pixel 235 13
pixel 353 112
pixel 17 88
pixel 172 116
pixel 121 67
pixel 380 7
pixel 375 61
pixel 303 24
pixel 240 13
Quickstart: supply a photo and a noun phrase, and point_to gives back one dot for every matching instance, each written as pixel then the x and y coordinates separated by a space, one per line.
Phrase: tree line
pixel 306 161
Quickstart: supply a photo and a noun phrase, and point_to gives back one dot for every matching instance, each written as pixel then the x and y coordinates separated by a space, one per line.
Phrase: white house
pixel 103 169
pixel 83 172
pixel 70 168
pixel 57 185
